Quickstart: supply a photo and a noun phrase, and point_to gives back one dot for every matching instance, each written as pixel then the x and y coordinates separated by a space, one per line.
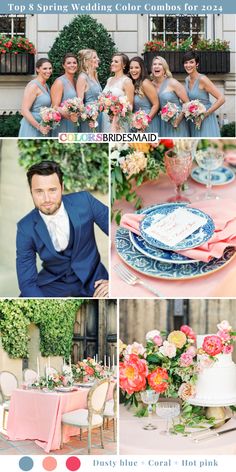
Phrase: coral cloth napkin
pixel 223 213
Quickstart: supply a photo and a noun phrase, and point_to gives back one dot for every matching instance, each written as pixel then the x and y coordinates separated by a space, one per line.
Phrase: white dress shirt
pixel 58 226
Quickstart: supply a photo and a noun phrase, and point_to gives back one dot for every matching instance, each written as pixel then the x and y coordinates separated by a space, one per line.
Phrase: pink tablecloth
pixel 218 284
pixel 37 415
pixel 136 440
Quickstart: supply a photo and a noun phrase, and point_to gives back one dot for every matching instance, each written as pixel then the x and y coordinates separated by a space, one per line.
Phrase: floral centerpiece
pixel 53 380
pixel 131 165
pixel 194 111
pixel 166 364
pixel 87 369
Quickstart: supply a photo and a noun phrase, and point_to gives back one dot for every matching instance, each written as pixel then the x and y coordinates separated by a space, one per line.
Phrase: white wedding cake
pixel 216 384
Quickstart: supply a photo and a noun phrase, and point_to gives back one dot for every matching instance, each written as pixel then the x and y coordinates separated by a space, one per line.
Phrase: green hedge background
pixel 85 166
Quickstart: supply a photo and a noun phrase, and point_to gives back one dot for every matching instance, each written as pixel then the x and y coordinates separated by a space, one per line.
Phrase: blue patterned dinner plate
pixel 220 176
pixel 147 266
pixel 156 253
pixel 197 238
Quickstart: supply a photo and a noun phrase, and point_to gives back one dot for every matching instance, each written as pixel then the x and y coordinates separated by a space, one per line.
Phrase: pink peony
pixel 224 326
pixel 158 340
pixel 134 348
pixel 223 335
pixel 192 350
pixel 168 349
pixel 133 374
pixel 228 349
pixel 185 360
pixel 212 345
pixel 151 334
pixel 188 331
pixel 186 391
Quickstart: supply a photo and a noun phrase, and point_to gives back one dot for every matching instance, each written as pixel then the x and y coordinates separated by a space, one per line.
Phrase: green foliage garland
pixel 55 319
pixel 85 166
pixel 83 32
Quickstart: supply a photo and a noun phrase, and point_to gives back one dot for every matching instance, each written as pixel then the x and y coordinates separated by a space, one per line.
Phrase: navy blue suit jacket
pixel 33 238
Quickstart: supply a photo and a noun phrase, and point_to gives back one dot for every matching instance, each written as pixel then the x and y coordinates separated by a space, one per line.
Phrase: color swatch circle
pixel 49 463
pixel 73 463
pixel 26 463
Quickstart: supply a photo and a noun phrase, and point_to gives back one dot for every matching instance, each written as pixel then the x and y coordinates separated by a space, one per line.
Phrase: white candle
pixel 113 361
pixel 70 362
pixel 97 358
pixel 37 366
pixel 105 361
pixel 109 362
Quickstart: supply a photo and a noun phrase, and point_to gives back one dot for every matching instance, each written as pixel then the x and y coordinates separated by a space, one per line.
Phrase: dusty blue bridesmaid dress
pixel 91 95
pixel 142 103
pixel 69 91
pixel 209 126
pixel 167 130
pixel 43 100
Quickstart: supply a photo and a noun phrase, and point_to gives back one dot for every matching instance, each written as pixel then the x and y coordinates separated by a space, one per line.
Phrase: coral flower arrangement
pixel 166 364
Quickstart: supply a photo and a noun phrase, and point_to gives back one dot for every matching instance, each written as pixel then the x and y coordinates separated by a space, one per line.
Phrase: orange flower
pixel 158 380
pixel 177 338
pixel 143 147
pixel 133 374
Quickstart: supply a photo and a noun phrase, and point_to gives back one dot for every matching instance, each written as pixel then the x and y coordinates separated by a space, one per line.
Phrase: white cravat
pixel 58 226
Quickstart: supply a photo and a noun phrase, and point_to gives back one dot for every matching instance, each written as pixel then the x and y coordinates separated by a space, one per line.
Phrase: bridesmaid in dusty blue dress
pixel 199 87
pixel 62 89
pixel 88 87
pixel 36 96
pixel 169 90
pixel 145 97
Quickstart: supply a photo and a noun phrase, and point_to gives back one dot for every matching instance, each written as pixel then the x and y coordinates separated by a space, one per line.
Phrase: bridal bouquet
pixel 194 111
pixel 140 120
pixel 91 115
pixel 117 108
pixel 87 369
pixel 169 112
pixel 166 364
pixel 50 117
pixel 74 106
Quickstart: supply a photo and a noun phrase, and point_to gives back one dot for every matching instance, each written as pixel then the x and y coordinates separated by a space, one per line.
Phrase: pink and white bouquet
pixel 74 106
pixel 140 120
pixel 87 369
pixel 194 111
pixel 50 117
pixel 117 108
pixel 169 112
pixel 91 114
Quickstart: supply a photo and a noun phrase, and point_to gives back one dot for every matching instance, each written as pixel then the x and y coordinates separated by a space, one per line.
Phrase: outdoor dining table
pixel 36 415
pixel 135 440
pixel 216 284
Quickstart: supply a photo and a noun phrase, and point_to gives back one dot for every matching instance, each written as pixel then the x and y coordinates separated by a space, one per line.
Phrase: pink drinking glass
pixel 178 166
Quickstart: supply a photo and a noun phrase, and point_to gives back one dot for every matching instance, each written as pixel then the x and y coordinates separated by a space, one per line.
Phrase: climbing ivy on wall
pixel 54 318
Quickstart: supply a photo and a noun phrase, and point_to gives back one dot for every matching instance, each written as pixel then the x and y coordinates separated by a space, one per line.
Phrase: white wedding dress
pixel 116 88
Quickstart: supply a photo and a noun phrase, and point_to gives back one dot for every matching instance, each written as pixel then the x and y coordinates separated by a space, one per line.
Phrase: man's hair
pixel 45 168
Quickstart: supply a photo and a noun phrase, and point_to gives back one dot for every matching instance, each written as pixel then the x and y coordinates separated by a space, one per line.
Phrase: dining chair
pixel 110 411
pixel 29 375
pixel 92 416
pixel 8 383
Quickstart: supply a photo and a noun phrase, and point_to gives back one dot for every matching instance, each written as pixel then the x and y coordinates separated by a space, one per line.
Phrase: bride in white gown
pixel 119 85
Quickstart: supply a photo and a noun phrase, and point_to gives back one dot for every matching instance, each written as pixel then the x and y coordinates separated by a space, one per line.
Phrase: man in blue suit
pixel 60 230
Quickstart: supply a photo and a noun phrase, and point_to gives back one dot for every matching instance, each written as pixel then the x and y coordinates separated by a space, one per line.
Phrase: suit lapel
pixel 73 214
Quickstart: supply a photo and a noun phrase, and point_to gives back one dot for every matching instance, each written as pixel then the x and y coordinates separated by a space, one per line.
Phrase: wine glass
pixel 150 397
pixel 167 410
pixel 209 159
pixel 178 166
pixel 186 145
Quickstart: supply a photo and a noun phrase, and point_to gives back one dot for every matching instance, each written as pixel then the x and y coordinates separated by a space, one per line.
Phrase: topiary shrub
pixel 85 166
pixel 83 32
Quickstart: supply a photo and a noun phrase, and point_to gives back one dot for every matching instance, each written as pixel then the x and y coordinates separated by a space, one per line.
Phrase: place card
pixel 174 227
